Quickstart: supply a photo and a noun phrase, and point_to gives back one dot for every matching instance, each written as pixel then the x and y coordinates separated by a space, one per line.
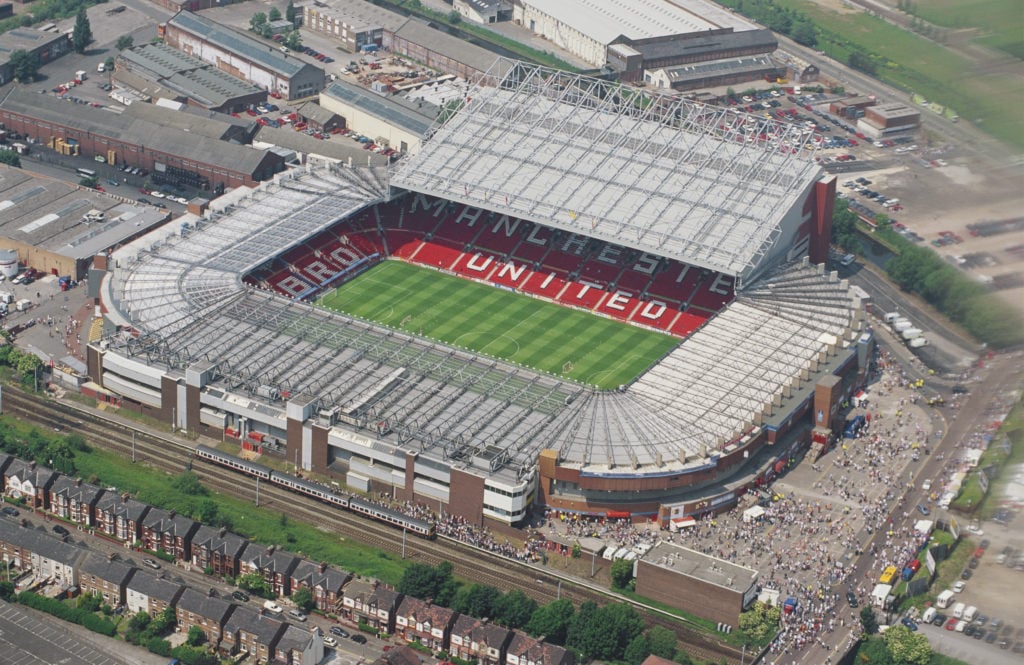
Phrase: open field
pixel 538 334
pixel 998 24
pixel 987 96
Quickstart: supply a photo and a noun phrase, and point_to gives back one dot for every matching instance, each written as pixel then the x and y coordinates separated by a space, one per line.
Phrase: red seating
pixel 580 294
pixel 545 284
pixel 709 295
pixel 633 281
pixel 599 272
pixel 402 244
pixel 686 323
pixel 655 313
pixel 368 242
pixel 619 306
pixel 439 256
pixel 513 274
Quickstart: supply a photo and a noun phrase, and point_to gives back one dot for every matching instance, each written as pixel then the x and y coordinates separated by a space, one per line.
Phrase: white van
pixel 958 610
pixel 970 613
pixel 928 615
pixel 891 316
pixel 944 599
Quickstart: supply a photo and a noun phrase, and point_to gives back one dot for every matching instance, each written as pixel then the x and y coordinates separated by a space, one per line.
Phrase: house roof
pixel 459 50
pixel 122 505
pixel 162 521
pixel 219 540
pixel 204 605
pixel 310 573
pixel 538 651
pixel 40 475
pixel 403 655
pixel 75 489
pixel 391 110
pixel 108 570
pixel 266 558
pixel 39 542
pixel 154 586
pixel 294 638
pixel 425 612
pixel 265 628
pixel 316 113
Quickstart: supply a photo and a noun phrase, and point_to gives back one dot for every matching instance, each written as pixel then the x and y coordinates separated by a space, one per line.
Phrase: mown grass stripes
pixel 484 319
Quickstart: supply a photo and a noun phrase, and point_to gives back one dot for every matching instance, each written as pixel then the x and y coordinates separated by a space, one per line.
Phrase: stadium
pixel 322 317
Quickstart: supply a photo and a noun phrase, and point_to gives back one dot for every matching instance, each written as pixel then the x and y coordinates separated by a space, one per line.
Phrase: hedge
pixel 96 624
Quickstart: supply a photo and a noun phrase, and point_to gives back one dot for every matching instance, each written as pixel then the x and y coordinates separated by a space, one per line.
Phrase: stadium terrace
pixel 667 217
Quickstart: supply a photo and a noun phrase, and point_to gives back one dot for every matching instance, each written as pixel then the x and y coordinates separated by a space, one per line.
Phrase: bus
pixel 87 173
pixel 888 575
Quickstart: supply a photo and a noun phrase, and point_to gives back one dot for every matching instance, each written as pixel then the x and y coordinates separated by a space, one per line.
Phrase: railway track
pixel 171 455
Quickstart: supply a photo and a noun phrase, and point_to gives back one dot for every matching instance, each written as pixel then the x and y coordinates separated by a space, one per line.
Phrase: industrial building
pixel 392 121
pixel 484 11
pixel 157 70
pixel 884 119
pixel 263 64
pixel 713 73
pixel 353 23
pixel 631 38
pixel 47 46
pixel 440 51
pixel 702 585
pixel 177 147
pixel 57 228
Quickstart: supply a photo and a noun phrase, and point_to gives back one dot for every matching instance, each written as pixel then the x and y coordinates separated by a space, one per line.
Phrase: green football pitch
pixel 558 340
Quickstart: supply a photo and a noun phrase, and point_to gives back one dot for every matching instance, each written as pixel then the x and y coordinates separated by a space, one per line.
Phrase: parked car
pixel 851 598
pixel 339 631
pixel 57 528
pixel 240 596
pixel 297 615
pixel 271 606
pixel 909 623
pixel 149 563
pixel 359 639
pixel 330 641
pixel 9 511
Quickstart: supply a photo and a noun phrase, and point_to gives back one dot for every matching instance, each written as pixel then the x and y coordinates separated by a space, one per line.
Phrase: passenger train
pixel 356 504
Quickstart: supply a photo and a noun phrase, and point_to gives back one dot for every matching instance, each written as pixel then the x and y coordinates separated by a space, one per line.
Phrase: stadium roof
pixel 180 288
pixel 660 174
pixel 606 20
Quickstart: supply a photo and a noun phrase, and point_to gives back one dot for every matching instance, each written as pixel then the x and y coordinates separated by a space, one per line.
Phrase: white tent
pixel 752 514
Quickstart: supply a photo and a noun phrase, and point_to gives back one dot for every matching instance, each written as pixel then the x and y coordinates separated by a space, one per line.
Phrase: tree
pixel 552 620
pixel 868 620
pixel 274 14
pixel 454 17
pixel 622 573
pixel 206 511
pixel 421 580
pixel 293 40
pixel 290 12
pixel 254 582
pixel 603 633
pixel 477 601
pixel 303 597
pixel 637 650
pixel 760 621
pixel 514 609
pixel 907 648
pixel 24 65
pixel 163 622
pixel 873 651
pixel 256 23
pixel 196 636
pixel 139 621
pixel 124 42
pixel 81 36
pixel 805 33
pixel 187 483
pixel 662 642
pixel 10 158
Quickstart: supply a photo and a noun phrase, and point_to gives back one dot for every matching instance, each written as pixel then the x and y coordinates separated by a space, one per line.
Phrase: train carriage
pixel 232 462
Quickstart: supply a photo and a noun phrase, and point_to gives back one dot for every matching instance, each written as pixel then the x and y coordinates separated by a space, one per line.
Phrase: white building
pixel 483 11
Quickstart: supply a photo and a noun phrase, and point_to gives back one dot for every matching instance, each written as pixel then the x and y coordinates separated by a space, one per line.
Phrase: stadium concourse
pixel 701 222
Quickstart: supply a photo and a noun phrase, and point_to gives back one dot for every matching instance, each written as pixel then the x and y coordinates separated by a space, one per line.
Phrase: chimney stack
pixel 323 567
pixel 223 531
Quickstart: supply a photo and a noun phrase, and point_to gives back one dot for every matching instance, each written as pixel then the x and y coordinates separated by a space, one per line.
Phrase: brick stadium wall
pixel 689 594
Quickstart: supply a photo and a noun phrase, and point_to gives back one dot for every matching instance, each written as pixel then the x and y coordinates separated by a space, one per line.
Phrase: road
pixel 1004 373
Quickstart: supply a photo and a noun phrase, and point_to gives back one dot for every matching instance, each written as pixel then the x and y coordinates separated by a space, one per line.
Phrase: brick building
pixel 106 577
pixel 120 516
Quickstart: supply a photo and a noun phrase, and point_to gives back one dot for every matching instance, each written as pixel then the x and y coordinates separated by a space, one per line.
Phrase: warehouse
pixel 354 23
pixel 158 70
pixel 653 34
pixel 267 66
pixel 439 50
pixel 47 46
pixel 697 583
pixel 885 119
pixel 398 123
pixel 177 146
pixel 57 228
pixel 715 73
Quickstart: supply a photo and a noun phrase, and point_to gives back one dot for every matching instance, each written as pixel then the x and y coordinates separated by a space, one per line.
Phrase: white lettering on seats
pixel 653 310
pixel 574 244
pixel 547 280
pixel 319 271
pixel 510 225
pixel 618 301
pixel 535 236
pixel 292 285
pixel 512 270
pixel 479 262
pixel 646 264
pixel 722 285
pixel 470 215
pixel 421 201
pixel 344 256
pixel 610 254
pixel 682 274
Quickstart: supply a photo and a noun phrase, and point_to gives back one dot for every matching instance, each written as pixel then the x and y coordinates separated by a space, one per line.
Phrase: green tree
pixel 622 573
pixel 874 651
pixel 10 158
pixel 7 591
pixel 907 648
pixel 196 636
pixel 454 17
pixel 514 609
pixel 805 33
pixel 603 633
pixel 303 597
pixel 290 12
pixel 256 23
pixel 139 621
pixel 868 621
pixel 24 65
pixel 760 621
pixel 421 580
pixel 255 583
pixel 206 511
pixel 637 650
pixel 187 483
pixel 552 620
pixel 662 642
pixel 274 14
pixel 124 42
pixel 293 40
pixel 81 35
pixel 477 601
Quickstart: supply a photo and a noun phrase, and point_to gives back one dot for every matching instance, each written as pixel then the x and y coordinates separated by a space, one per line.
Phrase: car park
pixel 149 563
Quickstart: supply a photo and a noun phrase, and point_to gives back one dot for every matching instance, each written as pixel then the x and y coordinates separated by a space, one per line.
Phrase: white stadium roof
pixel 605 20
pixel 181 289
pixel 656 173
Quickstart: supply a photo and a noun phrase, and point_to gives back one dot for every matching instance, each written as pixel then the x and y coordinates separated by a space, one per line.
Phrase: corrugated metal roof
pixel 385 108
pixel 185 74
pixel 459 50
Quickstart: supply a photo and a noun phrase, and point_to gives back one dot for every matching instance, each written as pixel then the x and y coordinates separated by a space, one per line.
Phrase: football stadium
pixel 576 296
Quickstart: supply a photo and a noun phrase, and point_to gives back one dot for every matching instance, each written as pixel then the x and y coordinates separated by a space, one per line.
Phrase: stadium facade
pixel 701 222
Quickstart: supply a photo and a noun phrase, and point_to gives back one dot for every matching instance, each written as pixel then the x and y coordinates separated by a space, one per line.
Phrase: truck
pixel 891 316
pixel 911 333
pixel 901 324
pixel 6 297
pixel 918 342
pixel 80 75
pixel 23 304
pixel 944 599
